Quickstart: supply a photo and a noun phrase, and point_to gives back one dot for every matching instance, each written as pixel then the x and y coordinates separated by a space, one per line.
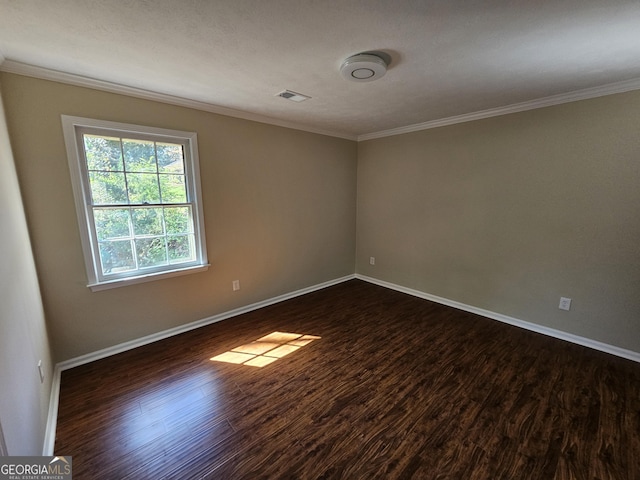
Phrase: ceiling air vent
pixel 293 96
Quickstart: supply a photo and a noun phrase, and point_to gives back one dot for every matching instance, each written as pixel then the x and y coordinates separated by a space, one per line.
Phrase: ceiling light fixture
pixel 363 67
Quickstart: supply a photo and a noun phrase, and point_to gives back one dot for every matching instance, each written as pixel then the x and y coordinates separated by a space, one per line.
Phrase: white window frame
pixel 73 128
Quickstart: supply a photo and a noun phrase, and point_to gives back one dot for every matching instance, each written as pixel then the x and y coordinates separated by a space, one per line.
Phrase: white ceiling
pixel 449 57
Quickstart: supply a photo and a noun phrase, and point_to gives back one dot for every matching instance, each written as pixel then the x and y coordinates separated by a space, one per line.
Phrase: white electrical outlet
pixel 236 285
pixel 41 371
pixel 372 260
pixel 565 303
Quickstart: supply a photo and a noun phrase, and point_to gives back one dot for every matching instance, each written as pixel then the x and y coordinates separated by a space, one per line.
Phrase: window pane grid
pixel 117 171
pixel 135 175
pixel 123 249
pixel 140 203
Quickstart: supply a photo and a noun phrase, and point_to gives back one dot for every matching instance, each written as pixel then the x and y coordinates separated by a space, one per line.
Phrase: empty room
pixel 297 239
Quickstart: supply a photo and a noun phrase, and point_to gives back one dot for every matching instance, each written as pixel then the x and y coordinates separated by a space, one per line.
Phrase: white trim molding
pixel 50 433
pixel 533 327
pixel 52 416
pixel 74 131
pixel 584 94
pixel 18 68
pixel 123 347
pixel 3 444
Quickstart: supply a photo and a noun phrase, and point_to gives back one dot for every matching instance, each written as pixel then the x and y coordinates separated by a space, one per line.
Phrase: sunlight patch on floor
pixel 266 350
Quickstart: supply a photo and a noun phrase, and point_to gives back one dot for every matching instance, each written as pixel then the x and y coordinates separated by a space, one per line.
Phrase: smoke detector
pixel 363 67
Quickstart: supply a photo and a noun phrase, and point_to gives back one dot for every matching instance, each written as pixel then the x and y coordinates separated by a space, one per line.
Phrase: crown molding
pixel 584 94
pixel 18 68
pixel 11 66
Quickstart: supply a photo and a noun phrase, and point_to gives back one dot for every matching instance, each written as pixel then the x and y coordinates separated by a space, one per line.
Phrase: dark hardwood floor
pixel 396 388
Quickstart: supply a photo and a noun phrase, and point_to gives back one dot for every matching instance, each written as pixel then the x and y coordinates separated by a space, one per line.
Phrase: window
pixel 137 193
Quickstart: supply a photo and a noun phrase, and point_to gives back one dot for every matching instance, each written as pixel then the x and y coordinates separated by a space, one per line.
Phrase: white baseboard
pixel 551 332
pixel 50 434
pixel 52 416
pixel 123 347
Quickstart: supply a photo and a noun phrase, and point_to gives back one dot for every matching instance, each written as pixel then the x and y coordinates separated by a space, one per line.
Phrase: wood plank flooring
pixel 396 388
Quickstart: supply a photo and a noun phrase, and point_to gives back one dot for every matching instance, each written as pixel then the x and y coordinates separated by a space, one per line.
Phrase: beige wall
pixel 510 213
pixel 505 214
pixel 279 207
pixel 24 401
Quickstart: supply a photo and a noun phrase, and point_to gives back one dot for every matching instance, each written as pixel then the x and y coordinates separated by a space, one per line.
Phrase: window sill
pixel 123 282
